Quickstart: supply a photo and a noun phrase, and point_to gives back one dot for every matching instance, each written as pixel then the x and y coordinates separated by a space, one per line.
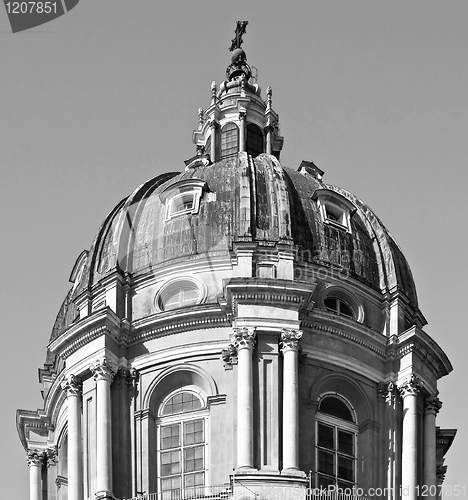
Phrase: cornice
pixel 352 337
pixel 163 324
pixel 103 322
pixel 274 292
pixel 415 340
pixel 391 348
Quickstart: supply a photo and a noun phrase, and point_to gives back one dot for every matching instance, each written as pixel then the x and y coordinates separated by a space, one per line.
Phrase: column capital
pixel 51 455
pixel 35 458
pixel 103 369
pixel 243 338
pixel 72 384
pixel 441 470
pixel 214 124
pixel 290 339
pixel 242 115
pixel 386 391
pixel 411 386
pixel 432 404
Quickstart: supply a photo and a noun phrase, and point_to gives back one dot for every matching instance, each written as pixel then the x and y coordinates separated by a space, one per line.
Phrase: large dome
pixel 232 327
pixel 243 199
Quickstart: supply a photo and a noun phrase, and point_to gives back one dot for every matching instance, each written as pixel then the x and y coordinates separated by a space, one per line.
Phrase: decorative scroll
pixel 243 338
pixel 72 385
pixel 386 391
pixel 103 369
pixel 432 404
pixel 35 458
pixel 290 339
pixel 411 386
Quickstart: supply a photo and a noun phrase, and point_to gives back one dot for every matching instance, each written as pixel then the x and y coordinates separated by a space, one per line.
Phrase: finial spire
pixel 238 66
pixel 237 40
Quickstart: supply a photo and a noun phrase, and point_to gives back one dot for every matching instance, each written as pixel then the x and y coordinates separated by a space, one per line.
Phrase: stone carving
pixel 51 455
pixel 411 386
pixel 72 384
pixel 441 470
pixel 229 356
pixel 35 457
pixel 243 338
pixel 290 339
pixel 386 391
pixel 103 369
pixel 432 404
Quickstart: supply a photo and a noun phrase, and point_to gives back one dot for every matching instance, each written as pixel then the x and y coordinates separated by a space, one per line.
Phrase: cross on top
pixel 240 30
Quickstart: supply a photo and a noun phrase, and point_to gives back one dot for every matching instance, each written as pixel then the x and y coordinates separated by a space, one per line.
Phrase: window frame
pixel 181 419
pixel 335 210
pixel 337 424
pixel 172 283
pixel 194 192
pixel 340 301
pixel 232 149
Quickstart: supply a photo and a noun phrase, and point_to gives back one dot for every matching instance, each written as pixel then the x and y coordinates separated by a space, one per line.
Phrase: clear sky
pixel 105 97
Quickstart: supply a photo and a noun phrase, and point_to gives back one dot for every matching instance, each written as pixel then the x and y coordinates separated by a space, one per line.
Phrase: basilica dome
pixel 210 207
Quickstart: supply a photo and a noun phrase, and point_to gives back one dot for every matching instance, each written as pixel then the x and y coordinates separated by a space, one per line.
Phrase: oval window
pixel 338 306
pixel 178 294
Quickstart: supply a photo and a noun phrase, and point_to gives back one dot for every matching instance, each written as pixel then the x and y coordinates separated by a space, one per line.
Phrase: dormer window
pixel 334 208
pixel 183 198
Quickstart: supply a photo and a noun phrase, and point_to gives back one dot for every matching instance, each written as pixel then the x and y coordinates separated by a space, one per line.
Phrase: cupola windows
pixel 254 140
pixel 229 140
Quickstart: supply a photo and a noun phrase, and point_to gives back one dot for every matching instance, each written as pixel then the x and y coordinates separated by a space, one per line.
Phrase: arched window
pixel 338 306
pixel 181 444
pixel 179 293
pixel 208 147
pixel 229 140
pixel 336 443
pixel 254 140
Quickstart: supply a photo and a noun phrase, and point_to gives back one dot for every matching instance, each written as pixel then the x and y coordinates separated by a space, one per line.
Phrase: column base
pixel 293 472
pixel 101 495
pixel 246 469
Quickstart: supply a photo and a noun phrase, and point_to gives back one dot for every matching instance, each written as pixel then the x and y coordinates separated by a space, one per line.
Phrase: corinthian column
pixel 103 372
pixel 35 462
pixel 75 457
pixel 432 405
pixel 244 341
pixel 290 347
pixel 409 391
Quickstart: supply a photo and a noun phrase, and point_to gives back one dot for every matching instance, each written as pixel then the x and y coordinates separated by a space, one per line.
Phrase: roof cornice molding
pixel 103 322
pixel 415 340
pixel 177 321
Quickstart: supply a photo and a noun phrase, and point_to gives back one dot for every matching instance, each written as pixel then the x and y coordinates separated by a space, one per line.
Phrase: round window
pixel 177 294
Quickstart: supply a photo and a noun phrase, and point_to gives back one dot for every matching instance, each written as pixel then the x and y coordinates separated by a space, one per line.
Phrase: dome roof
pixel 242 199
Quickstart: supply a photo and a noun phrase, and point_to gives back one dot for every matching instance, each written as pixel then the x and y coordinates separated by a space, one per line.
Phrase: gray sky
pixel 105 97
